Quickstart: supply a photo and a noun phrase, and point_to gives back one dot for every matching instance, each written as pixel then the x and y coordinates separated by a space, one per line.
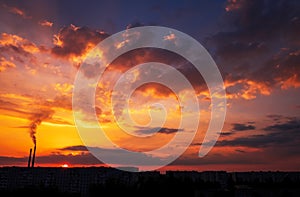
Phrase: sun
pixel 65 165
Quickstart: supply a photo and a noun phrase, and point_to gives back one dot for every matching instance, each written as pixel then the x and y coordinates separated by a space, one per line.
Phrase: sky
pixel 255 44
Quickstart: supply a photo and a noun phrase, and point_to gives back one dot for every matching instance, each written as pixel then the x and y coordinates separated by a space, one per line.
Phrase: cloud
pixel 84 158
pixel 17 11
pixel 72 41
pixel 116 156
pixel 17 44
pixel 163 130
pixel 236 158
pixel 226 133
pixel 240 151
pixel 258 48
pixel 6 160
pixel 135 24
pixel 139 56
pixel 284 127
pixel 275 117
pixel 4 64
pixel 155 89
pixel 80 159
pixel 18 52
pixel 75 148
pixel 285 134
pixel 245 88
pixel 277 141
pixel 46 23
pixel 242 127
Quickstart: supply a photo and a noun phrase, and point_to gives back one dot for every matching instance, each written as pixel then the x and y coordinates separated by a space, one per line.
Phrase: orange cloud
pixel 46 23
pixel 292 81
pixel 155 89
pixel 253 88
pixel 248 90
pixel 63 88
pixel 4 64
pixel 10 40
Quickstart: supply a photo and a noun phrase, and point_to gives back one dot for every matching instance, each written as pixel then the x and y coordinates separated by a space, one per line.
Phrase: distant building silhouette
pixel 93 181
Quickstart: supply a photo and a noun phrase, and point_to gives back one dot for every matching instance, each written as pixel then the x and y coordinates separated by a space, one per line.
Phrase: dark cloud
pixel 196 144
pixel 5 160
pixel 139 56
pixel 259 43
pixel 240 151
pixel 264 20
pixel 75 148
pixel 74 41
pixel 250 160
pixel 116 156
pixel 163 130
pixel 282 69
pixel 271 159
pixel 286 134
pixel 275 117
pixel 140 24
pixel 293 124
pixel 223 159
pixel 142 55
pixel 242 127
pixel 226 133
pixel 249 141
pixel 81 159
pixel 277 142
pixel 135 24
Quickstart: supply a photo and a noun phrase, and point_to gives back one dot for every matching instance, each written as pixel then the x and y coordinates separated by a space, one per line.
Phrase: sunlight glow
pixel 65 165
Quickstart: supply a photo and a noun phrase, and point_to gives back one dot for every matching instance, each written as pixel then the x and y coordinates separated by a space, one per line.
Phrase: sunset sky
pixel 255 44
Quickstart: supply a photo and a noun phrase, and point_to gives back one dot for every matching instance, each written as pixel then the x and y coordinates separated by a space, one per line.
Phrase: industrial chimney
pixel 29 159
pixel 33 156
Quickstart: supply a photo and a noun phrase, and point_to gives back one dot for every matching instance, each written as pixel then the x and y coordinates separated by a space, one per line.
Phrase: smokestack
pixel 33 156
pixel 29 159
